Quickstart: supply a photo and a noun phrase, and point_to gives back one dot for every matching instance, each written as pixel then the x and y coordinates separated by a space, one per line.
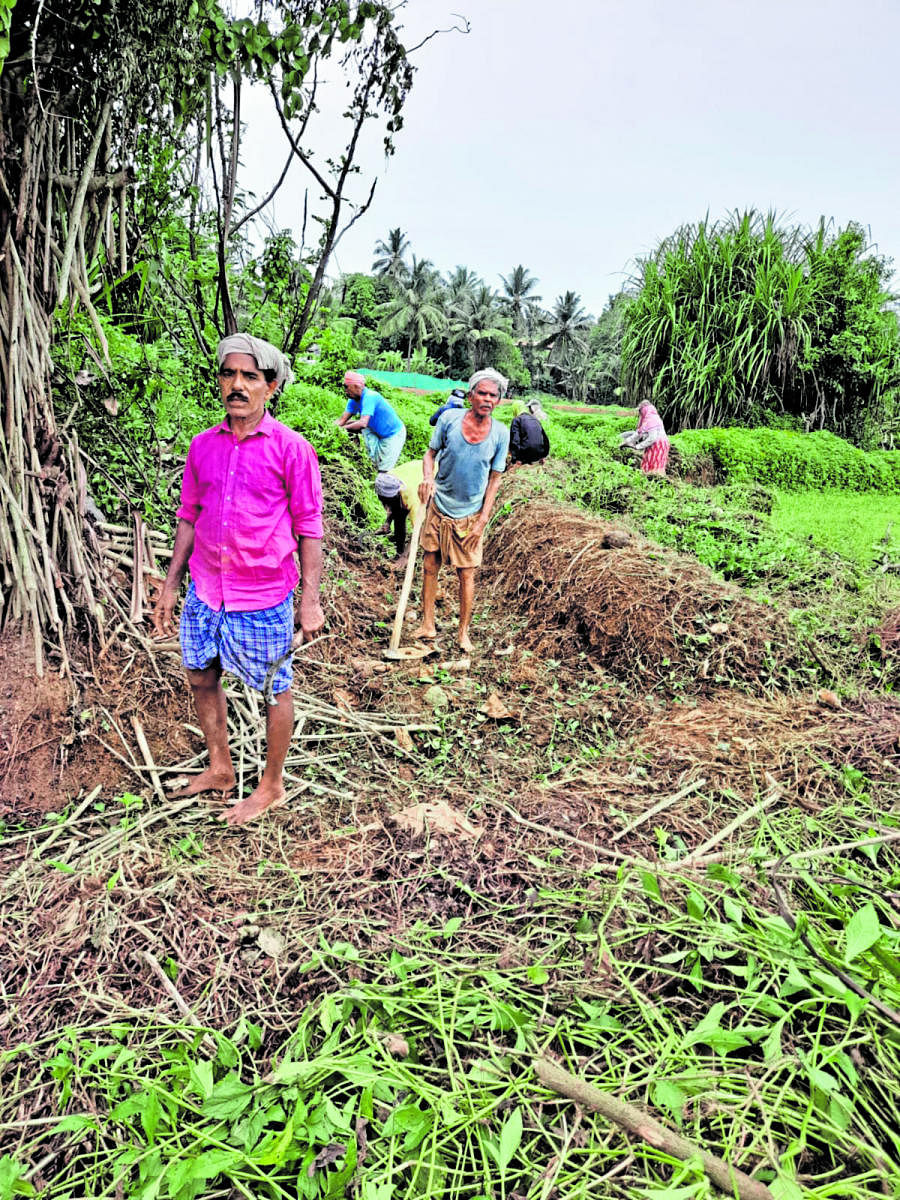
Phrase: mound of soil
pixel 644 613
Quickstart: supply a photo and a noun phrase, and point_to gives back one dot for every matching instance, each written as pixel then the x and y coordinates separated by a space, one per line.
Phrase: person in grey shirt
pixel 469 448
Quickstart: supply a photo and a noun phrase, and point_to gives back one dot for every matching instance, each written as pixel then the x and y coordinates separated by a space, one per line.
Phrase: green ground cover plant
pixel 863 528
pixel 792 460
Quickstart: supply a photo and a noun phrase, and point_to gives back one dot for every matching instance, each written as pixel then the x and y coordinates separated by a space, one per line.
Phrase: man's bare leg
pixel 431 563
pixel 466 603
pixel 209 701
pixel 269 792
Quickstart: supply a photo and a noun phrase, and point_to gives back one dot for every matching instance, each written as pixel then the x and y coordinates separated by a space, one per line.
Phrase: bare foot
pixel 213 779
pixel 400 561
pixel 464 641
pixel 385 528
pixel 264 797
pixel 425 633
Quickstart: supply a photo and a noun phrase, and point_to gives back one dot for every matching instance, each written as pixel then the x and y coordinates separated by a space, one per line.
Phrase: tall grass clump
pixel 742 320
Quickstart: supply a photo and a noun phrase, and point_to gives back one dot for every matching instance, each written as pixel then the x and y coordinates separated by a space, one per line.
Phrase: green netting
pixel 411 379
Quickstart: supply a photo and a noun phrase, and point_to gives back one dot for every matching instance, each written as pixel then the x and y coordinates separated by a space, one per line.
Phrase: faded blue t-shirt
pixel 383 421
pixel 463 469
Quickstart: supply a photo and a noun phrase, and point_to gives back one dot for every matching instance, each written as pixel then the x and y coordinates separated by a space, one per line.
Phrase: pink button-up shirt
pixel 249 502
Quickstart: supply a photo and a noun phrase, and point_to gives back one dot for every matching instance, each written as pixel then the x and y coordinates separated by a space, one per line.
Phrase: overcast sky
pixel 572 135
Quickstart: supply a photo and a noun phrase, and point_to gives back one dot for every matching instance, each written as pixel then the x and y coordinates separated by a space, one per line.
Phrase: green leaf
pixel 228 1098
pixel 412 1122
pixel 696 906
pixel 783 1188
pixel 538 974
pixel 709 1032
pixel 668 1095
pixel 11 1181
pixel 71 1124
pixel 202 1078
pixel 510 1138
pixel 214 1162
pixel 273 1151
pixel 863 931
pixel 650 885
pixel 452 926
pixel 771 1047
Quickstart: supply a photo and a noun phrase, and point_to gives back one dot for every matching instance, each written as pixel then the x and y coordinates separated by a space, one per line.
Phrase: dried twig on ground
pixel 729 1179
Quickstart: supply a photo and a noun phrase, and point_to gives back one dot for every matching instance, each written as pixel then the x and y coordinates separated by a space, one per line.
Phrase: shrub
pixel 337 354
pixel 792 460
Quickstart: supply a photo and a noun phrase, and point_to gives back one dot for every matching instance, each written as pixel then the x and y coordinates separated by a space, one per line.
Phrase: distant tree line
pixel 407 315
pixel 741 321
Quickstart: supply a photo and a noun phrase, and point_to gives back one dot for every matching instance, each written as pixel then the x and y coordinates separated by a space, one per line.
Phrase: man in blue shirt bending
pixel 470 449
pixel 369 414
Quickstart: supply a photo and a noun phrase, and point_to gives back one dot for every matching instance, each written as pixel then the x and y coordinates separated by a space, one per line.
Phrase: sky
pixel 571 137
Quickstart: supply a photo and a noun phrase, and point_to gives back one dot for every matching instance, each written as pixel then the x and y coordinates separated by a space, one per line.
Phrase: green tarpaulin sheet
pixel 411 379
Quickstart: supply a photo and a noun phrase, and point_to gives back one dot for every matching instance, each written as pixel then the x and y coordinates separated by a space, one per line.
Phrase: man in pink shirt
pixel 250 497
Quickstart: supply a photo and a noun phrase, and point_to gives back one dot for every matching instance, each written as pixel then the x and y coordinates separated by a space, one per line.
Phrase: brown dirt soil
pixel 62 737
pixel 335 866
pixel 646 614
pixel 35 722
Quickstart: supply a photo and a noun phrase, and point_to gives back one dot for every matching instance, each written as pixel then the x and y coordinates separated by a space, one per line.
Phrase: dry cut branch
pixel 727 1178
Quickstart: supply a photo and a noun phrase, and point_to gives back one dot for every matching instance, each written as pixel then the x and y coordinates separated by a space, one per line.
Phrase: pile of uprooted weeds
pixel 330 1011
pixel 646 614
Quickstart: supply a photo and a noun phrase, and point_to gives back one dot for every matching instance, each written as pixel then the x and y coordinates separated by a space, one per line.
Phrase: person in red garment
pixel 251 499
pixel 649 439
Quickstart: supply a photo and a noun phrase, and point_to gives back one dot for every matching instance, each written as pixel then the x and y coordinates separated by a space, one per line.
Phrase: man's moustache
pixel 237 396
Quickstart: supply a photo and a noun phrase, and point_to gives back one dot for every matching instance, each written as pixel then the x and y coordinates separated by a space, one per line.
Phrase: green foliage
pixel 423 1067
pixel 791 460
pixel 862 527
pixel 734 319
pixel 138 422
pixel 6 11
pixel 358 301
pixel 507 359
pixel 729 530
pixel 336 355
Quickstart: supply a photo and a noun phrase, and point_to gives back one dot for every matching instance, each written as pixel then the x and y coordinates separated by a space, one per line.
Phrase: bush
pixel 337 354
pixel 794 461
pixel 735 318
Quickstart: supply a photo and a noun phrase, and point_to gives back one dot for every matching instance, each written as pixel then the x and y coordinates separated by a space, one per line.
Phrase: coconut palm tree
pixel 415 310
pixel 567 326
pixel 461 286
pixel 479 323
pixel 519 299
pixel 390 255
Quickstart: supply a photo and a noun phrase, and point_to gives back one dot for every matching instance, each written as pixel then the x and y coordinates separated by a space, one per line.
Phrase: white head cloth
pixel 387 485
pixel 492 375
pixel 268 357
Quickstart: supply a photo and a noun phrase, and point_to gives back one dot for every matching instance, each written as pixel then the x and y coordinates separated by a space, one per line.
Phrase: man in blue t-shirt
pixel 470 449
pixel 369 414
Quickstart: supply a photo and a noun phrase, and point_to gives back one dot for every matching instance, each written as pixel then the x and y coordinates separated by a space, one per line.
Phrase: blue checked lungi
pixel 246 643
